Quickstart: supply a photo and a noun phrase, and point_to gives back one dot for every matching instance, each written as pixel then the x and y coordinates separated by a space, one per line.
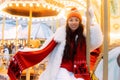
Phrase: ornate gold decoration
pixel 116 26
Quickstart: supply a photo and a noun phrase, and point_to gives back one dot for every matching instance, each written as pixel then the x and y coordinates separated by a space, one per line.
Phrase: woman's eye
pixel 77 20
pixel 71 20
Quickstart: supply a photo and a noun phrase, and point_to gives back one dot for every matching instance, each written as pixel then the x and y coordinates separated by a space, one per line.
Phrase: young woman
pixel 66 50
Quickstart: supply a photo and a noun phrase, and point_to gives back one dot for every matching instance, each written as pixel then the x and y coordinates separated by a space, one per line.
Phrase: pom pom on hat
pixel 74 9
pixel 74 13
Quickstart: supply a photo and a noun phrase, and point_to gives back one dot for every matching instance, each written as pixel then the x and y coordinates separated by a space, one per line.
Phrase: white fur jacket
pixel 55 57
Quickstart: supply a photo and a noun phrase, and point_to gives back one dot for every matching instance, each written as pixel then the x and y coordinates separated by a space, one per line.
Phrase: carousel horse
pixel 113 65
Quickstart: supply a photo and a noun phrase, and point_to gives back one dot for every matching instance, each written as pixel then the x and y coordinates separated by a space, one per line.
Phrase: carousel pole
pixel 106 30
pixel 16 33
pixel 57 23
pixel 3 26
pixel 29 26
pixel 29 34
pixel 88 35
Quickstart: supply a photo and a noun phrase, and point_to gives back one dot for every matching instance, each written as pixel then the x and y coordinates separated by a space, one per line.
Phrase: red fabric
pixel 78 65
pixel 93 58
pixel 67 65
pixel 23 60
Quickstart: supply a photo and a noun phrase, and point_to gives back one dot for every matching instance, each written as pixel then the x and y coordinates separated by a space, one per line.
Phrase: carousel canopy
pixel 39 8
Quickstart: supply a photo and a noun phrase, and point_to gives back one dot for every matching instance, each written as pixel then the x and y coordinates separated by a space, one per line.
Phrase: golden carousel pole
pixel 16 33
pixel 29 26
pixel 88 35
pixel 57 23
pixel 29 34
pixel 3 26
pixel 106 30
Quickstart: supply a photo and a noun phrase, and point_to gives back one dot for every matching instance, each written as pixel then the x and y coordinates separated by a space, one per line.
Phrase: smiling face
pixel 73 23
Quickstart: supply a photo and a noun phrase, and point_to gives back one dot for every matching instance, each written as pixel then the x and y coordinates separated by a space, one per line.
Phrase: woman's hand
pixel 91 14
